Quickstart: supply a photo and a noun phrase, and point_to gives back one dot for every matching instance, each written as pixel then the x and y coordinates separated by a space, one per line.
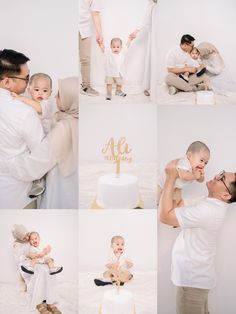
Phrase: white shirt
pixel 85 18
pixel 114 63
pixel 194 250
pixel 182 164
pixel 177 58
pixel 20 131
pixel 121 259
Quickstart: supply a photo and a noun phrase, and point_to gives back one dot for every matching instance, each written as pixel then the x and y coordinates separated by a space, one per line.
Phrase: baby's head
pixel 34 238
pixel 195 53
pixel 117 244
pixel 40 86
pixel 116 45
pixel 198 155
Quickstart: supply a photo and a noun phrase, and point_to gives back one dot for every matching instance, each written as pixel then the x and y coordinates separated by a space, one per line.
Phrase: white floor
pixel 134 95
pixel 189 98
pixel 143 286
pixel 14 301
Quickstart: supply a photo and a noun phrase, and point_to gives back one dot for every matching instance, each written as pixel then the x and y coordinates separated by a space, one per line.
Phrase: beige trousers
pixel 31 205
pixel 191 300
pixel 174 80
pixel 85 54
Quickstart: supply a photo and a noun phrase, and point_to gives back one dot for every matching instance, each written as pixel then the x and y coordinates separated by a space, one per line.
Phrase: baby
pixel 196 63
pixel 40 90
pixel 190 168
pixel 39 255
pixel 114 66
pixel 118 264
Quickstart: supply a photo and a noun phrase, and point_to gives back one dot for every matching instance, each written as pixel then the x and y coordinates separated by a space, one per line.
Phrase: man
pixel 20 127
pixel 194 250
pixel 89 14
pixel 179 62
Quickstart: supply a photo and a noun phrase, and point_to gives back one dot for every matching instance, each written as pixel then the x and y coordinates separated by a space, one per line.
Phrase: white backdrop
pixel 47 32
pixel 96 228
pixel 137 122
pixel 177 128
pixel 211 20
pixel 119 19
pixel 57 228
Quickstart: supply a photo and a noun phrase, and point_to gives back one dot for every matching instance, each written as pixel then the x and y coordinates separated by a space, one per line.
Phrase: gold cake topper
pixel 117 152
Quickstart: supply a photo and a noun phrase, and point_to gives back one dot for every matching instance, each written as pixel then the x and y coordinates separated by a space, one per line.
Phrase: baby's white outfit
pixel 183 164
pixel 114 63
pixel 121 259
pixel 38 250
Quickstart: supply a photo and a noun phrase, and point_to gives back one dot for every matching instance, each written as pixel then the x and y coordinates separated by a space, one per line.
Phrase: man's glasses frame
pixel 221 177
pixel 26 79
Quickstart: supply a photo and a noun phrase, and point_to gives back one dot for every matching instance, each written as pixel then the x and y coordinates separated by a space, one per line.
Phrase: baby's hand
pixel 198 174
pixel 14 95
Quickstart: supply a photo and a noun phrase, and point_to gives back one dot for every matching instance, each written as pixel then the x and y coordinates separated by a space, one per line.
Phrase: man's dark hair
pixel 232 188
pixel 186 39
pixel 10 62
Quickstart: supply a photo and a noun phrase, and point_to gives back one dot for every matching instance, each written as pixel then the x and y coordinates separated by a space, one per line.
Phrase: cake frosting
pixel 117 191
pixel 205 98
pixel 118 303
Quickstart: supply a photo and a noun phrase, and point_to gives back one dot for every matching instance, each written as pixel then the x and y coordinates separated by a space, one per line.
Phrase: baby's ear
pixel 189 155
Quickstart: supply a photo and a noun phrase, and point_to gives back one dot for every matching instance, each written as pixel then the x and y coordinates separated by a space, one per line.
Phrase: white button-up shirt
pixel 193 254
pixel 177 58
pixel 20 131
pixel 85 18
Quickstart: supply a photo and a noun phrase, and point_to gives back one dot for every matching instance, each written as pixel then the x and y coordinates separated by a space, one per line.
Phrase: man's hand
pixel 99 39
pixel 171 171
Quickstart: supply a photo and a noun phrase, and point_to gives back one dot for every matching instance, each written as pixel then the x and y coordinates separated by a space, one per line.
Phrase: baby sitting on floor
pixel 118 265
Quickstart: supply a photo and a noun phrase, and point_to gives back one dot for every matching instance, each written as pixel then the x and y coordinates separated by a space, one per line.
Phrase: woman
pixel 40 285
pixel 57 154
pixel 62 179
pixel 221 81
pixel 150 75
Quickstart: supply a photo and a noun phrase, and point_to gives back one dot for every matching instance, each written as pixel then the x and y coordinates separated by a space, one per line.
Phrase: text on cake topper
pixel 120 150
pixel 117 152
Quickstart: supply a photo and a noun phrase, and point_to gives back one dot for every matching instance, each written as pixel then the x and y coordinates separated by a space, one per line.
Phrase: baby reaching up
pixel 118 265
pixel 39 255
pixel 190 168
pixel 114 66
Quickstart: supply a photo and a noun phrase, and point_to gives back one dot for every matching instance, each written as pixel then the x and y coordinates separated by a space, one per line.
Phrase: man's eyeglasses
pixel 26 79
pixel 221 177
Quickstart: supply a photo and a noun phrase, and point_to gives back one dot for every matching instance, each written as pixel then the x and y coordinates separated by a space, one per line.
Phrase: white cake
pixel 118 303
pixel 117 191
pixel 205 98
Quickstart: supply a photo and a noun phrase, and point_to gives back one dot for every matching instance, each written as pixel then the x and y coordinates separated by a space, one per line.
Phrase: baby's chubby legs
pixel 50 263
pixel 52 268
pixel 119 91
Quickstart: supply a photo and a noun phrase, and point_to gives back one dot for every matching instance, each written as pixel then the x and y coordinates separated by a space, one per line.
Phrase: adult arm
pixel 176 70
pixel 98 26
pixel 32 165
pixel 166 205
pixel 146 21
